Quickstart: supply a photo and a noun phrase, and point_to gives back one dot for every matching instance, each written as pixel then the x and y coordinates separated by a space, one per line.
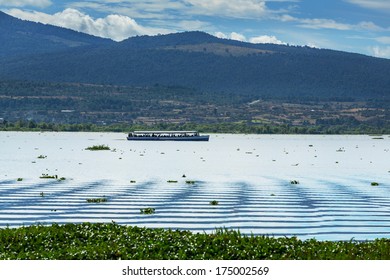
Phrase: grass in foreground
pixel 112 241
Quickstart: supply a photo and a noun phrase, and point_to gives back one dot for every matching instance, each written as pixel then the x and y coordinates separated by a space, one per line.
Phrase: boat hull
pixel 169 138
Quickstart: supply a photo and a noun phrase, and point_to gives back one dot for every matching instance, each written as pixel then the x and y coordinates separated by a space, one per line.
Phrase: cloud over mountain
pixel 116 27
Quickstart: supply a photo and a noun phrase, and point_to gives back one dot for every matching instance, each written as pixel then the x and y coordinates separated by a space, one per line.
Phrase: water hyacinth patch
pixel 98 148
pixel 111 241
pixel 148 211
pixel 97 200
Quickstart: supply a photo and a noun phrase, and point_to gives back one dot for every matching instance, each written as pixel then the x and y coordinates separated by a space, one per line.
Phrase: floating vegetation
pixel 340 150
pixel 97 200
pixel 214 202
pixel 98 148
pixel 294 182
pixel 374 184
pixel 42 157
pixel 190 182
pixel 272 194
pixel 94 241
pixel 172 181
pixel 19 179
pixel 184 175
pixel 62 179
pixel 47 176
pixel 132 182
pixel 42 194
pixel 148 211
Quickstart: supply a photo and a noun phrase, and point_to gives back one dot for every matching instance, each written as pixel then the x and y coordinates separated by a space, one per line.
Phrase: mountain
pixel 191 59
pixel 20 37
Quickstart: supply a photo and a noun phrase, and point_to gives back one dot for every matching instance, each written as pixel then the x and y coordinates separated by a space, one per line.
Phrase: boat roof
pixel 167 132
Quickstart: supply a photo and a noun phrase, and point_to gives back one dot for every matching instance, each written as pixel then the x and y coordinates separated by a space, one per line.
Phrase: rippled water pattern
pixel 248 175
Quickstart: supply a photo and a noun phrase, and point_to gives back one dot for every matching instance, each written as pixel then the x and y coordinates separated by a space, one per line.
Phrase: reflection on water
pixel 249 175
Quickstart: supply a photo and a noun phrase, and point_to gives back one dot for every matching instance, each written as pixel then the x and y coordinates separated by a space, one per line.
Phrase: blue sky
pixel 361 26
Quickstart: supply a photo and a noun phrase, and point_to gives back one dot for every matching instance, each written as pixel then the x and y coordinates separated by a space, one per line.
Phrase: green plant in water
pixel 47 176
pixel 214 202
pixel 294 182
pixel 190 182
pixel 97 200
pixel 171 181
pixel 147 211
pixel 98 148
pixel 374 184
pixel 20 179
pixel 42 157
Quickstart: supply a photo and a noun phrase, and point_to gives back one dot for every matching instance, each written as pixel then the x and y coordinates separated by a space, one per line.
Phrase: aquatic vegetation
pixel 42 194
pixel 88 241
pixel 97 200
pixel 98 148
pixel 190 182
pixel 47 176
pixel 172 181
pixel 19 179
pixel 148 211
pixel 374 184
pixel 62 179
pixel 294 182
pixel 133 181
pixel 214 202
pixel 42 157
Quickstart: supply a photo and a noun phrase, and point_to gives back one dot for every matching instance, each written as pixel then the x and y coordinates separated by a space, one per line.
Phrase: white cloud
pixel 320 23
pixel 383 40
pixel 323 23
pixel 115 27
pixel 235 9
pixel 23 3
pixel 265 39
pixel 237 36
pixel 383 52
pixel 372 4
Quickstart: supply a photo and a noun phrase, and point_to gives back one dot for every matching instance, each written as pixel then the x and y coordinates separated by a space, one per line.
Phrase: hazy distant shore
pixel 233 128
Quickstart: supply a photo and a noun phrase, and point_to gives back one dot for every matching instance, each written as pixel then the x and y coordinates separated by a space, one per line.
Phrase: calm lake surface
pixel 249 175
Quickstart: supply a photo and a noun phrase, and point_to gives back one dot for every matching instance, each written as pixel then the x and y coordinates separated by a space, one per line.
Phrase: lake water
pixel 249 175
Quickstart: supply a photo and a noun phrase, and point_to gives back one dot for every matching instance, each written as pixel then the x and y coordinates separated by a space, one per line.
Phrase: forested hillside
pixel 50 74
pixel 21 38
pixel 190 59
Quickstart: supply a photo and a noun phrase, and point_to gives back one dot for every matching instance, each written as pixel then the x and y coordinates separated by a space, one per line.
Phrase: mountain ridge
pixel 191 59
pixel 21 37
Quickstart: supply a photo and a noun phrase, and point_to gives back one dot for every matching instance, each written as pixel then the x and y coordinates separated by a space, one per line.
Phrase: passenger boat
pixel 167 136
